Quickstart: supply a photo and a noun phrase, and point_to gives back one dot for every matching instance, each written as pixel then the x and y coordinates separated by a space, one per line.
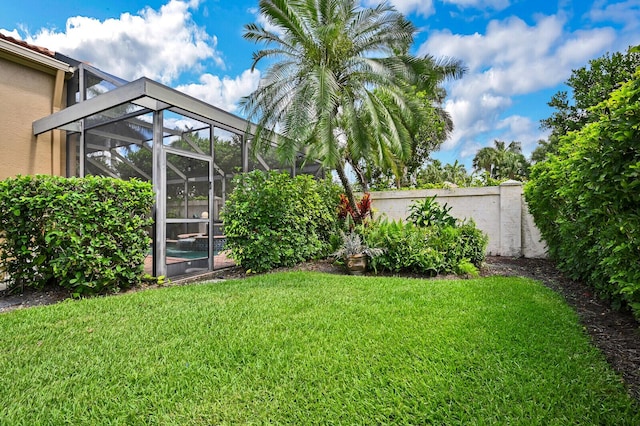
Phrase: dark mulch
pixel 615 333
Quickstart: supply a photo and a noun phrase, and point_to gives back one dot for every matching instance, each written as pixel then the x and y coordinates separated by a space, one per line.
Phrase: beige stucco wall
pixel 27 94
pixel 499 211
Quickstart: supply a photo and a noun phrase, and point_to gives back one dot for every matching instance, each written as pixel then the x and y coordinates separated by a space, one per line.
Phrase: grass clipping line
pixel 301 347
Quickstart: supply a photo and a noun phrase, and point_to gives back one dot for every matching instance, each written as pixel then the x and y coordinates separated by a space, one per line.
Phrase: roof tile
pixel 41 50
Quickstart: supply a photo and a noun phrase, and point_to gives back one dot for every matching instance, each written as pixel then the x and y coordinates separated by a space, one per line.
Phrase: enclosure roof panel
pixel 148 94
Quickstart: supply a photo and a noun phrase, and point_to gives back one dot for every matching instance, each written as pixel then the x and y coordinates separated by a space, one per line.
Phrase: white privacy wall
pixel 499 211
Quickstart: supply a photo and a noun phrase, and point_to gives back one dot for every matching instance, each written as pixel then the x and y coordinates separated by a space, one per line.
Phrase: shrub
pixel 474 242
pixel 87 234
pixel 429 250
pixel 406 247
pixel 428 212
pixel 585 199
pixel 272 220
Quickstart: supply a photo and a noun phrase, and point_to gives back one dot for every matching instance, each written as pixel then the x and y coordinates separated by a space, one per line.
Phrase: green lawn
pixel 309 348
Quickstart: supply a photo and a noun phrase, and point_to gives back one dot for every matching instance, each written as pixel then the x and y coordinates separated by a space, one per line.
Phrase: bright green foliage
pixel 407 247
pixel 429 249
pixel 586 199
pixel 272 220
pixel 330 65
pixel 428 212
pixel 474 242
pixel 88 234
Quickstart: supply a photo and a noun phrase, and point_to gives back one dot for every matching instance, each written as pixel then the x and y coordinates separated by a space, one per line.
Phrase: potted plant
pixel 355 253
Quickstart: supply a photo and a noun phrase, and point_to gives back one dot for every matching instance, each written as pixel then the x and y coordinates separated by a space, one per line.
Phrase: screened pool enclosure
pixel 189 151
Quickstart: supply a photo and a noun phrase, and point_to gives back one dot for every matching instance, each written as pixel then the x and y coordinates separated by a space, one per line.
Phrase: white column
pixel 511 218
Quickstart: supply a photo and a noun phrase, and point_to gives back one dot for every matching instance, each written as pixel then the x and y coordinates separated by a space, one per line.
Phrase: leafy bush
pixel 429 250
pixel 87 234
pixel 473 241
pixel 272 220
pixel 428 212
pixel 585 199
pixel 406 247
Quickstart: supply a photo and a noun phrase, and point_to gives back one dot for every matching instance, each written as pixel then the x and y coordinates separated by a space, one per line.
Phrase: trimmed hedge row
pixel 273 220
pixel 586 199
pixel 86 234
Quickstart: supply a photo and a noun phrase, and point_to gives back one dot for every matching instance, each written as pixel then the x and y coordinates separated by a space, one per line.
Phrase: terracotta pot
pixel 357 264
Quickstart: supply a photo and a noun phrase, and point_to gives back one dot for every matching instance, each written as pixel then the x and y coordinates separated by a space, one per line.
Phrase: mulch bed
pixel 615 333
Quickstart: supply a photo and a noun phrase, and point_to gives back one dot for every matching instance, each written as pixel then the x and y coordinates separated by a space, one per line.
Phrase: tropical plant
pixel 352 245
pixel 430 242
pixel 350 216
pixel 333 61
pixel 428 128
pixel 428 212
pixel 502 161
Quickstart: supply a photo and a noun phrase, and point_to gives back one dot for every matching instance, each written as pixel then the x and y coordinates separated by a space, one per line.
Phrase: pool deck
pixel 220 261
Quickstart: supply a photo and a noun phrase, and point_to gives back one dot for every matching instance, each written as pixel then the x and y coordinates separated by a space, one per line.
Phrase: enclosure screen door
pixel 188 205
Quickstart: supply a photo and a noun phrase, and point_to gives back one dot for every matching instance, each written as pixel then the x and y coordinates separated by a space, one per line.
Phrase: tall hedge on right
pixel 586 199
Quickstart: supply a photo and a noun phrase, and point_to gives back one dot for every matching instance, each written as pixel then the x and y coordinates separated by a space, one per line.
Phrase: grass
pixel 309 348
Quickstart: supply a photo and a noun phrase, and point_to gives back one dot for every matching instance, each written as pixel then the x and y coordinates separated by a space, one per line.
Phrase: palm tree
pixel 456 173
pixel 429 124
pixel 333 63
pixel 502 161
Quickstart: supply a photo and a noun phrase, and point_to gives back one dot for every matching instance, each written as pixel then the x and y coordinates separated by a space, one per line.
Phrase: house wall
pixel 499 211
pixel 27 94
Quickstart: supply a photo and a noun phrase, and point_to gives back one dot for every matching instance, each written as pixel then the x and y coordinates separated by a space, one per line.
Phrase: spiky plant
pixel 352 245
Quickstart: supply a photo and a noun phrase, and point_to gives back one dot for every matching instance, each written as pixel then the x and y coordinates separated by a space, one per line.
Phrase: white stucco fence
pixel 499 211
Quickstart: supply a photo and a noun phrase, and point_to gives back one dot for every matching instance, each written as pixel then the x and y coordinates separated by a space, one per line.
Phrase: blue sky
pixel 519 52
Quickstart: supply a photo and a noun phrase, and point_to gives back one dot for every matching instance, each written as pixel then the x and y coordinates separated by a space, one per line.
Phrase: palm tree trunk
pixel 348 191
pixel 362 179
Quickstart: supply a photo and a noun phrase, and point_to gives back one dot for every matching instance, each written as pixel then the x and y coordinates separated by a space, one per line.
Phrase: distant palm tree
pixel 333 65
pixel 502 161
pixel 456 173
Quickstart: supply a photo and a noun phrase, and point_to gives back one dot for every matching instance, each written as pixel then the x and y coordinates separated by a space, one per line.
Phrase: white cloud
pixel 223 93
pixel 159 44
pixel 419 7
pixel 624 12
pixel 480 4
pixel 427 8
pixel 265 22
pixel 521 129
pixel 511 58
pixel 13 33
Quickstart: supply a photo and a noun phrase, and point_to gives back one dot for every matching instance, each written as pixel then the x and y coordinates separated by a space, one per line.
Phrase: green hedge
pixel 273 220
pixel 86 234
pixel 586 199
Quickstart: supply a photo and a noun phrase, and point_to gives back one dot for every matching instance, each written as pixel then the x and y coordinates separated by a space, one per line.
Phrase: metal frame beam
pixel 151 95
